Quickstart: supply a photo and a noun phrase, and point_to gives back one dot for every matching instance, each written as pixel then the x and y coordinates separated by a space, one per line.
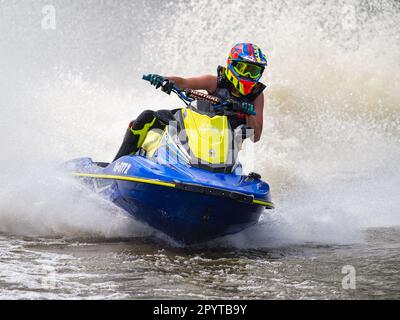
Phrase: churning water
pixel 330 147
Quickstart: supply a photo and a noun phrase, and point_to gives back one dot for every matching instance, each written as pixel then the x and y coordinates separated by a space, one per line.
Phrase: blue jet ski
pixel 185 181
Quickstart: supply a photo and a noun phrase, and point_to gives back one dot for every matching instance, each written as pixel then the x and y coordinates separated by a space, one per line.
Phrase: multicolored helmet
pixel 246 64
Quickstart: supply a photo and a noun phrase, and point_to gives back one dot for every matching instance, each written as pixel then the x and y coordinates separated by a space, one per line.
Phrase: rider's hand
pixel 159 81
pixel 248 108
pixel 244 107
pixel 156 80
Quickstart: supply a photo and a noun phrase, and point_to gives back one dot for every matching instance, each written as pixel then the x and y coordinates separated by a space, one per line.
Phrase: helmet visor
pixel 248 70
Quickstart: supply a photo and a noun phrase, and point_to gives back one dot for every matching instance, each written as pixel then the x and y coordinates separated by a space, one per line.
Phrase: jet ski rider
pixel 238 82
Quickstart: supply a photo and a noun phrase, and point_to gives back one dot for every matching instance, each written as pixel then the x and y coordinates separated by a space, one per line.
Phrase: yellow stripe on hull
pixel 153 182
pixel 131 179
pixel 264 203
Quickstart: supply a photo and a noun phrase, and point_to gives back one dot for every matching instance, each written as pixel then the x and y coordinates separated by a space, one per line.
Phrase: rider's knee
pixel 144 118
pixel 147 115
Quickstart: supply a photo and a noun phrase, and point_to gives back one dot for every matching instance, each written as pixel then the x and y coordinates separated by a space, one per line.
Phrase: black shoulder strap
pixel 260 87
pixel 222 81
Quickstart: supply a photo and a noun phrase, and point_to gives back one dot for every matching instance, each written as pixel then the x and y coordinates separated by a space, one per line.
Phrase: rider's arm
pixel 256 122
pixel 207 82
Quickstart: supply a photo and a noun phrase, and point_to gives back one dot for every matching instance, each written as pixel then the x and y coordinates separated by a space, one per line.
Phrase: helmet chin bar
pixel 243 86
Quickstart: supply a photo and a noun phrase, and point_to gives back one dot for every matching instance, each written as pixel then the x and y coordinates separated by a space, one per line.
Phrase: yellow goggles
pixel 248 70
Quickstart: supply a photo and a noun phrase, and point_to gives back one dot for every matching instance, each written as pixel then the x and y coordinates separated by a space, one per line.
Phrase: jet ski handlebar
pixel 189 95
pixel 197 95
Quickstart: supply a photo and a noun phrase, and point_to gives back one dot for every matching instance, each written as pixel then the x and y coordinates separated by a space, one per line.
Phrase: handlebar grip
pixel 146 77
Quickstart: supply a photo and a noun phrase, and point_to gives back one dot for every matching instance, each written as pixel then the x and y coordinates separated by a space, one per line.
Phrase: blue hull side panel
pixel 141 167
pixel 187 217
pixel 184 216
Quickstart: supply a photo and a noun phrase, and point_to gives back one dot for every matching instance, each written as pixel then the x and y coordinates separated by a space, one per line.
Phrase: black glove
pixel 167 86
pixel 156 80
pixel 159 81
pixel 244 107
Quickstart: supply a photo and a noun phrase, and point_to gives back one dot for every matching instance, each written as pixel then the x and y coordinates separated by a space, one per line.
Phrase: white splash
pixel 330 148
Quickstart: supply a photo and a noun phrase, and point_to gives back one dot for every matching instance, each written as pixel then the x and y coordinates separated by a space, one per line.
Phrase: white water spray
pixel 330 148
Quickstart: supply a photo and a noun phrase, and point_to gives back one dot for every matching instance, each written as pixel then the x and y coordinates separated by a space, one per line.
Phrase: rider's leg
pixel 138 129
pixel 136 133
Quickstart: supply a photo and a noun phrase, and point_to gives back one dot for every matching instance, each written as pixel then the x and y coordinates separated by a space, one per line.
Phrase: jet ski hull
pixel 187 217
pixel 186 209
